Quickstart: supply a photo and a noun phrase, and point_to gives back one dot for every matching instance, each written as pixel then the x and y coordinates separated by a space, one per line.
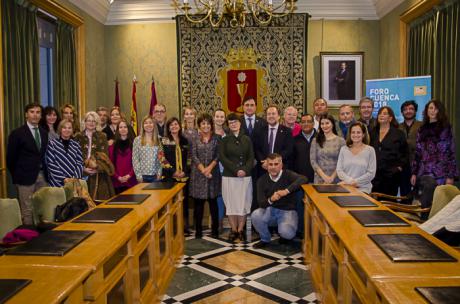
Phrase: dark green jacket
pixel 236 153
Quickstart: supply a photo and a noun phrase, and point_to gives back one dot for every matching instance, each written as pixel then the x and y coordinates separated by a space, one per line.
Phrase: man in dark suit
pixel 366 107
pixel 273 138
pixel 250 123
pixel 342 79
pixel 25 159
pixel 302 165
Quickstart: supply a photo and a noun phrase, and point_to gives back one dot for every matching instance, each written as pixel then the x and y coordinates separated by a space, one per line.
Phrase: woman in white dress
pixel 237 157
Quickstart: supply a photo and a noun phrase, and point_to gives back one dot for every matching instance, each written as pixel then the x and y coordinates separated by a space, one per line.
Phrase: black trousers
pixel 198 214
pixel 386 182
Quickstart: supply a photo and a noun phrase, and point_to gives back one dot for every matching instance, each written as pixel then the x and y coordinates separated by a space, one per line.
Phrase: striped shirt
pixel 62 164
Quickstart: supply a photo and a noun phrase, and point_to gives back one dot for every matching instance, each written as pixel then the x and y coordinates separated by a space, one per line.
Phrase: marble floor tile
pixel 186 279
pixel 197 246
pixel 235 295
pixel 238 262
pixel 215 271
pixel 291 280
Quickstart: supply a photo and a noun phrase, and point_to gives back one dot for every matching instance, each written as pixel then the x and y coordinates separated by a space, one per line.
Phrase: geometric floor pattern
pixel 215 271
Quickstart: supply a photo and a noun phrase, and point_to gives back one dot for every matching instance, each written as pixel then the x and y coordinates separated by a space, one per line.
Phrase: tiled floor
pixel 214 271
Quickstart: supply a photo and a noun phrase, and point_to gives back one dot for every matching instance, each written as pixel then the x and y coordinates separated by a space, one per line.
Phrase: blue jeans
pixel 285 219
pixel 300 209
pixel 221 207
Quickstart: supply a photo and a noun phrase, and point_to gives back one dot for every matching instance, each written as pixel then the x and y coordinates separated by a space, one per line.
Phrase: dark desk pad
pixel 128 199
pixel 440 295
pixel 103 215
pixel 159 186
pixel 330 189
pixel 352 201
pixel 10 287
pixel 52 242
pixel 410 248
pixel 377 218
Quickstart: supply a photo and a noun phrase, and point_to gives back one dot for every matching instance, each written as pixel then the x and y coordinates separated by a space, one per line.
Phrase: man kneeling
pixel 277 201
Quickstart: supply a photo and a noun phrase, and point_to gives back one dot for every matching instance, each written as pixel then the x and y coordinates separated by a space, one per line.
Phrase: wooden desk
pixel 49 285
pixel 132 257
pixel 345 260
pixel 403 291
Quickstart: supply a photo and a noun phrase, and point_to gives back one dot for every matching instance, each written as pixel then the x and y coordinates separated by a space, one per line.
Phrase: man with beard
pixel 410 127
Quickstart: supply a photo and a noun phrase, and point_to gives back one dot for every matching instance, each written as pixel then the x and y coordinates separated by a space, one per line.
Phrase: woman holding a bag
pixel 98 166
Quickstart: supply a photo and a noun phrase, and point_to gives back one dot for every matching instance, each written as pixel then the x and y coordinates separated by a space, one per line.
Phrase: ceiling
pixel 141 11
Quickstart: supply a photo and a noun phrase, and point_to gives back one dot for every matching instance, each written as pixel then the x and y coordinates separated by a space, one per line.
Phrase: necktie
pixel 250 125
pixel 37 138
pixel 271 140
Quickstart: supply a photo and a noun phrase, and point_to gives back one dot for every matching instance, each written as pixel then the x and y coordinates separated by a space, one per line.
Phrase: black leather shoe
pixel 260 245
pixel 283 241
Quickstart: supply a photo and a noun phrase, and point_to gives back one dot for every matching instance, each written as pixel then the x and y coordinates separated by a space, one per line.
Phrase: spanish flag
pixel 134 107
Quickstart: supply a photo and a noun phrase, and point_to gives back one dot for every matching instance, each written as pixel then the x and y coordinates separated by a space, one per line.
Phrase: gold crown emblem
pixel 241 56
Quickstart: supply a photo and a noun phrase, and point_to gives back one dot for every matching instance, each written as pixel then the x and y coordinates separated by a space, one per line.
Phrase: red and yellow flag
pixel 134 107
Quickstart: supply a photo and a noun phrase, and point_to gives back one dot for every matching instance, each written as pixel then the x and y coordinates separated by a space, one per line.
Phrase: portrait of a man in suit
pixel 342 80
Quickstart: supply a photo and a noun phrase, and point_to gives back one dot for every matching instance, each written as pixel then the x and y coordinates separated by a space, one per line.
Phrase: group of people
pixel 238 164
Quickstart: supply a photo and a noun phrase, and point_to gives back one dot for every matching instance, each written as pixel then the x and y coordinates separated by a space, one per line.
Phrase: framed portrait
pixel 342 77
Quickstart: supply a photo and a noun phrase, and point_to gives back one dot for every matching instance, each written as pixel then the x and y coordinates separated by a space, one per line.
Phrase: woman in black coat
pixel 176 148
pixel 391 150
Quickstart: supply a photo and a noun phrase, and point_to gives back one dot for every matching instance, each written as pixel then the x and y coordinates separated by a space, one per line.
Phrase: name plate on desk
pixel 352 201
pixel 128 199
pixel 410 248
pixel 330 189
pixel 103 215
pixel 159 186
pixel 377 218
pixel 53 242
pixel 440 295
pixel 10 287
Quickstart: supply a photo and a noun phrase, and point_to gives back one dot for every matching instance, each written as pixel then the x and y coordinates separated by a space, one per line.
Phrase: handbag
pixel 70 209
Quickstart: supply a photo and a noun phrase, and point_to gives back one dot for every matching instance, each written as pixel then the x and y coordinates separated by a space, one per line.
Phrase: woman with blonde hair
pixel 98 167
pixel 189 128
pixel 148 156
pixel 63 156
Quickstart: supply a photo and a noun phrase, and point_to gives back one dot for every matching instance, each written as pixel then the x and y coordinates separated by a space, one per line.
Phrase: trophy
pixel 242 89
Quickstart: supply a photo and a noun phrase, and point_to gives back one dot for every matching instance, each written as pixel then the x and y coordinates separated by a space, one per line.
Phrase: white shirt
pixel 277 178
pixel 308 136
pixel 316 120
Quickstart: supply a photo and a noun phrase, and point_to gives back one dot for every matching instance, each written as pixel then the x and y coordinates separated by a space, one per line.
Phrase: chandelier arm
pixel 219 21
pixel 197 20
pixel 261 21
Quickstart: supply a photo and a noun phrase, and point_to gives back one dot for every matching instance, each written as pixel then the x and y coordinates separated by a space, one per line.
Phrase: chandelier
pixel 215 11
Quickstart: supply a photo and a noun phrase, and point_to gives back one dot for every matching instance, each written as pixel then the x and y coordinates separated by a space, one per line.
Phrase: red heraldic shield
pixel 240 83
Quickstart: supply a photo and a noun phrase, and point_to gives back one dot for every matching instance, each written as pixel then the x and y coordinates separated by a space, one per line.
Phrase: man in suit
pixel 159 114
pixel 25 159
pixel 273 138
pixel 250 123
pixel 366 107
pixel 342 79
pixel 302 165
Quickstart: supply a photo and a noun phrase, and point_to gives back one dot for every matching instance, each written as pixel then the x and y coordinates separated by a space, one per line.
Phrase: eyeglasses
pixel 160 111
pixel 307 121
